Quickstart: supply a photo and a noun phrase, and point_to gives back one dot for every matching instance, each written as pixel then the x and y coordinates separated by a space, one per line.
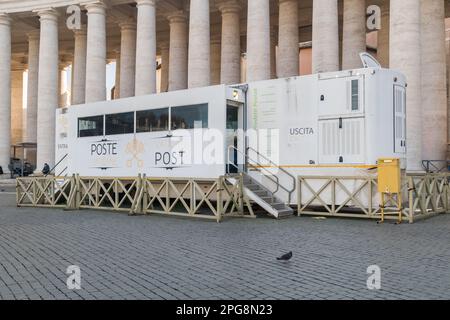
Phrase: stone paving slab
pixel 158 257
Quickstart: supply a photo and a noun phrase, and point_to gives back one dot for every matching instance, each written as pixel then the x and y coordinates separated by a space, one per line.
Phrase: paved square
pixel 156 257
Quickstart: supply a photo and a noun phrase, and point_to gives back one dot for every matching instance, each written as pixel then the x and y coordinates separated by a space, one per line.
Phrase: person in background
pixel 46 169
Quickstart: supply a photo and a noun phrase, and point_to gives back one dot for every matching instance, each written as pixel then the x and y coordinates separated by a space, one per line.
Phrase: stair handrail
pixel 60 174
pixel 269 175
pixel 290 191
pixel 56 165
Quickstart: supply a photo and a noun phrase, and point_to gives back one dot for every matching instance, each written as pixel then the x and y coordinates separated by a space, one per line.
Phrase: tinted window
pixel 90 126
pixel 119 123
pixel 232 118
pixel 190 117
pixel 152 120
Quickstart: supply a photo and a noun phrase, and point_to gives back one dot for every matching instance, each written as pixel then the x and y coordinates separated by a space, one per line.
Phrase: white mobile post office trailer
pixel 337 123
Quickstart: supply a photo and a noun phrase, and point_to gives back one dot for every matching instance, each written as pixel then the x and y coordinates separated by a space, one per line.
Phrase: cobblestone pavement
pixel 156 257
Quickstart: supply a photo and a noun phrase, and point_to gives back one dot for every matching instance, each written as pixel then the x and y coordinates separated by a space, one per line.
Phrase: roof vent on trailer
pixel 369 61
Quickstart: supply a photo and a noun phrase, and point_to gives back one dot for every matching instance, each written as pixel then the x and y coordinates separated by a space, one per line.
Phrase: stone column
pixel 127 58
pixel 325 52
pixel 434 92
pixel 215 60
pixel 78 93
pixel 96 52
pixel 178 51
pixel 354 33
pixel 230 60
pixel 47 88
pixel 164 67
pixel 145 48
pixel 5 90
pixel 383 36
pixel 17 106
pixel 32 87
pixel 117 76
pixel 405 56
pixel 199 68
pixel 258 40
pixel 288 39
pixel 447 41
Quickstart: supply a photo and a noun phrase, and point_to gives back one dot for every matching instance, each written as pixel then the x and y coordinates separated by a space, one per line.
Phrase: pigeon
pixel 285 257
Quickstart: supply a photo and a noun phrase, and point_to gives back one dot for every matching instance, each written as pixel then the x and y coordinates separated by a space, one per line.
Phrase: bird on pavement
pixel 285 257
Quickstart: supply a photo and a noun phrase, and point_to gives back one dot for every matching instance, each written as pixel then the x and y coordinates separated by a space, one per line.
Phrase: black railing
pixel 266 167
pixel 436 166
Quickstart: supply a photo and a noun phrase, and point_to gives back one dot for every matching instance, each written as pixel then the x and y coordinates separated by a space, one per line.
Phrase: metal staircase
pixel 258 193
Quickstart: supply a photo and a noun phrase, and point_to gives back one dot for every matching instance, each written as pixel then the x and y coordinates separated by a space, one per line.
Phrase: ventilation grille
pixel 342 140
pixel 351 137
pixel 330 138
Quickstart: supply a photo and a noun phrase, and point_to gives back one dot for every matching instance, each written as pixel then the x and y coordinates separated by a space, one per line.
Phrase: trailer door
pixel 329 141
pixel 232 126
pixel 352 141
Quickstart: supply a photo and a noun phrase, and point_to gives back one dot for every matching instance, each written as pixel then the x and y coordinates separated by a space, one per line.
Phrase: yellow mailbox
pixel 389 176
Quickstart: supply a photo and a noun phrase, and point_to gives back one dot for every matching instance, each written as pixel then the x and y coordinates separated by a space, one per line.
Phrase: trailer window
pixel 355 95
pixel 152 120
pixel 119 123
pixel 90 126
pixel 189 117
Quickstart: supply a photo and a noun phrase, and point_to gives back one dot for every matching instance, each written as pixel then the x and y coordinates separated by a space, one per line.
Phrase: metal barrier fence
pixel 424 195
pixel 44 191
pixel 200 198
pixel 357 197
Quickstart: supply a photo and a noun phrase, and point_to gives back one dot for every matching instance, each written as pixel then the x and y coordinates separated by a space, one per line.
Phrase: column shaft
pixel 128 59
pixel 258 40
pixel 199 67
pixel 447 41
pixel 273 53
pixel 164 67
pixel 354 33
pixel 325 52
pixel 288 41
pixel 79 67
pixel 17 106
pixel 96 53
pixel 215 61
pixel 434 92
pixel 383 36
pixel 405 56
pixel 178 51
pixel 32 86
pixel 117 77
pixel 47 88
pixel 230 70
pixel 5 90
pixel 145 48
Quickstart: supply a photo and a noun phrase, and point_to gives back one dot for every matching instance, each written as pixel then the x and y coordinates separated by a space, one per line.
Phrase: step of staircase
pixel 265 199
